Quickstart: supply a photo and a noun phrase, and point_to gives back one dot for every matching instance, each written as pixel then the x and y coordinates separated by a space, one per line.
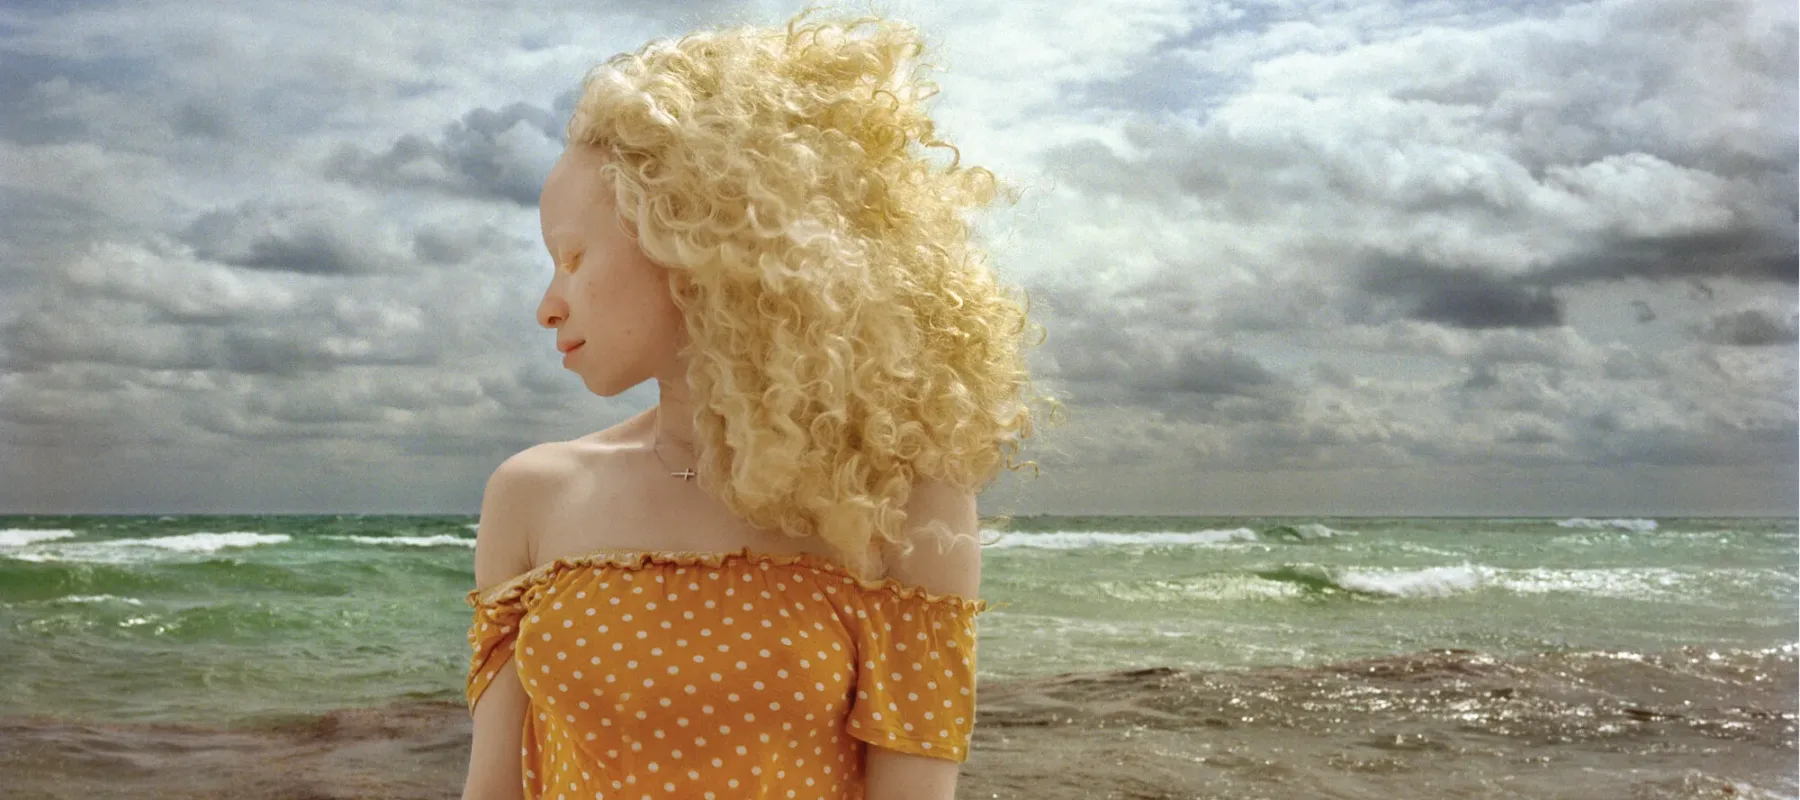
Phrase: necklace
pixel 684 475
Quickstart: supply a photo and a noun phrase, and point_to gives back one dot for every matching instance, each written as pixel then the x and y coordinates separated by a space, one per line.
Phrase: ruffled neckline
pixel 510 590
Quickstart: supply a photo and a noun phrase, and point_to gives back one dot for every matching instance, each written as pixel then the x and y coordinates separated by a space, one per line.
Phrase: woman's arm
pixel 890 774
pixel 893 775
pixel 495 749
pixel 502 551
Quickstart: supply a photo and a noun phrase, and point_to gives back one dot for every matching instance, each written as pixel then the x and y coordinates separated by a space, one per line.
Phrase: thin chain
pixel 656 450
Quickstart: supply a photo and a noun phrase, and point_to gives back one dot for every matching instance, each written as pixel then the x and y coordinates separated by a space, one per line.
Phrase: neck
pixel 672 423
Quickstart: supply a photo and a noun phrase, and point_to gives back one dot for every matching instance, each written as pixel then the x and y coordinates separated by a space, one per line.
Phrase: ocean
pixel 227 622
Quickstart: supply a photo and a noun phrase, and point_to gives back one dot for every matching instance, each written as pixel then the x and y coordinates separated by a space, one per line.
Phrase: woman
pixel 725 595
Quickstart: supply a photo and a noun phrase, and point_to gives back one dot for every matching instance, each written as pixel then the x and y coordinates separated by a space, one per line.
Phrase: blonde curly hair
pixel 846 338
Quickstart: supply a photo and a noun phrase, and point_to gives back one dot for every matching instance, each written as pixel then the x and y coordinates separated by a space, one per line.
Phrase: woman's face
pixel 605 295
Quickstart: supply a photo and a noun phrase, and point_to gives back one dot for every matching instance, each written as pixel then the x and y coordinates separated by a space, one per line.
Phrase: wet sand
pixel 1682 724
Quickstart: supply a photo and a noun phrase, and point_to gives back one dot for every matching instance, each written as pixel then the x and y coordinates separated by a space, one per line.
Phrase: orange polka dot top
pixel 679 674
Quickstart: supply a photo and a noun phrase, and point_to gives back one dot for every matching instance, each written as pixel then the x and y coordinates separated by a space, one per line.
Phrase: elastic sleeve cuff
pixel 944 749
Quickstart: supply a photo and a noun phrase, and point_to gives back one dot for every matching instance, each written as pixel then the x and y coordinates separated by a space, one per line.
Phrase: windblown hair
pixel 846 337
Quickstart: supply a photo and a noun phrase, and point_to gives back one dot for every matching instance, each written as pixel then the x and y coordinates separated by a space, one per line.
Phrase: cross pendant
pixel 683 475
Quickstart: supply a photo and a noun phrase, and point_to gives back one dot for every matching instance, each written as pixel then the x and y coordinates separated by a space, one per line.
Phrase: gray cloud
pixel 457 244
pixel 489 153
pixel 41 228
pixel 1460 298
pixel 157 309
pixel 34 87
pixel 1749 327
pixel 1138 347
pixel 1745 253
pixel 308 239
pixel 206 120
pixel 1625 364
pixel 36 341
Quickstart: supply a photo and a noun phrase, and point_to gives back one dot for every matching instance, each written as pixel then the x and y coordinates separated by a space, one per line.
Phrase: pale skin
pixel 541 503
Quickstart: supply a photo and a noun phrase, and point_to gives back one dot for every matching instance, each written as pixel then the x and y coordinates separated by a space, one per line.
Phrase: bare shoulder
pixel 539 466
pixel 943 527
pixel 511 510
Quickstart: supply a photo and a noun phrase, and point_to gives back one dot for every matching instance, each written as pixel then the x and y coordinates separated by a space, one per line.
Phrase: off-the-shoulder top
pixel 677 674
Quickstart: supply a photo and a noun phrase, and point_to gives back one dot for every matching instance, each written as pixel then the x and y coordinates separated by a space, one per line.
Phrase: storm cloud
pixel 1381 258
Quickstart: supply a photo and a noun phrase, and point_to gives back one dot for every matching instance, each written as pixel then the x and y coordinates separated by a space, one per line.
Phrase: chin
pixel 603 390
pixel 608 389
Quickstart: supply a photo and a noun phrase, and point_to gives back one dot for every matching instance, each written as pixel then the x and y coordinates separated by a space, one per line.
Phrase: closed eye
pixel 570 263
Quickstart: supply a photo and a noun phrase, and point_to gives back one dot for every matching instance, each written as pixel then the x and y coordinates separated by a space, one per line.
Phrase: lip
pixel 569 354
pixel 568 348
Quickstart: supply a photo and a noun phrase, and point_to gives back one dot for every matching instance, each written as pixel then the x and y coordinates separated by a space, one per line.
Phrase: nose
pixel 551 310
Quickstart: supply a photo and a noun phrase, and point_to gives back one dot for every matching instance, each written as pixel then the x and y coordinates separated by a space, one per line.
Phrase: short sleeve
pixel 491 636
pixel 915 676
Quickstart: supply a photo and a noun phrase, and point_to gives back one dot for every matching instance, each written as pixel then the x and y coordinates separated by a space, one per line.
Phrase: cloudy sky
pixel 1371 257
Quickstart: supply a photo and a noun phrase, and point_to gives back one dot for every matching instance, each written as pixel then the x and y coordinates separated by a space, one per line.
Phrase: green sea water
pixel 233 618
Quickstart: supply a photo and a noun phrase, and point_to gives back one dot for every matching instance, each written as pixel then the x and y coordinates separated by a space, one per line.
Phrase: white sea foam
pixel 441 540
pixel 1663 539
pixel 1427 582
pixel 100 598
pixel 1631 583
pixel 20 537
pixel 132 551
pixel 1313 530
pixel 200 542
pixel 1627 524
pixel 146 550
pixel 1218 587
pixel 1426 550
pixel 1082 540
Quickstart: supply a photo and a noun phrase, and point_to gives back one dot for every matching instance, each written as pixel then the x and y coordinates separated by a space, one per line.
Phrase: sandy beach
pixel 1689 723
